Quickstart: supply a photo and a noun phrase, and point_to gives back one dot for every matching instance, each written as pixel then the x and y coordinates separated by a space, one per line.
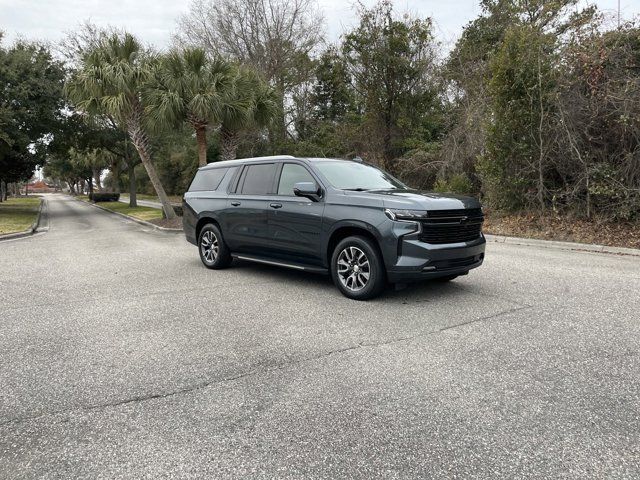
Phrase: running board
pixel 295 266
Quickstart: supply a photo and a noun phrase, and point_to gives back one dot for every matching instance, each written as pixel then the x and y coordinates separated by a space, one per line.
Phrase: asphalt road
pixel 121 356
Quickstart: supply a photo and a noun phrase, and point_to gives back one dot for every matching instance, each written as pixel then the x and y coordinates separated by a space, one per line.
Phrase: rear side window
pixel 207 180
pixel 258 179
pixel 292 174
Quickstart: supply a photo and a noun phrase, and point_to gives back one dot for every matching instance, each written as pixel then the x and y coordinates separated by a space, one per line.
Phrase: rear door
pixel 246 213
pixel 295 223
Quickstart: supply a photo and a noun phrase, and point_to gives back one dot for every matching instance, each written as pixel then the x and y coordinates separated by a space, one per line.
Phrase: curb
pixel 582 247
pixel 136 220
pixel 34 226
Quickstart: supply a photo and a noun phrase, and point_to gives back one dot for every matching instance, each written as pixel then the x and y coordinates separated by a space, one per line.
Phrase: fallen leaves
pixel 564 228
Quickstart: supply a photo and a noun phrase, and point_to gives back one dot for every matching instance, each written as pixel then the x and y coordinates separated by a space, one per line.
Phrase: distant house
pixel 40 187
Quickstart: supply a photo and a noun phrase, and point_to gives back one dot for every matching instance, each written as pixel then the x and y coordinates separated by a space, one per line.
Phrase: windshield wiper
pixel 359 189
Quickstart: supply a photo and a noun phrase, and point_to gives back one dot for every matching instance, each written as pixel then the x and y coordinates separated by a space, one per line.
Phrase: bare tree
pixel 273 36
pixel 81 40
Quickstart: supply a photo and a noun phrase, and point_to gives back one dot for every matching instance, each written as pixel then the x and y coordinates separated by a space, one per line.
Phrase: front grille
pixel 452 226
pixel 469 212
pixel 455 262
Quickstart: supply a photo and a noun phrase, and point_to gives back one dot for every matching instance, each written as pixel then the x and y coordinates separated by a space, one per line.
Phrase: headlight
pixel 400 214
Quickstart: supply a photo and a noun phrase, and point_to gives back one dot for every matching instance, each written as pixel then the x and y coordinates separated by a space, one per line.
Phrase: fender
pixel 208 215
pixel 347 224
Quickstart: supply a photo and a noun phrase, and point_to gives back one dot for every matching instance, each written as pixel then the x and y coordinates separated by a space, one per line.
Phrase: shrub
pixel 104 197
pixel 458 183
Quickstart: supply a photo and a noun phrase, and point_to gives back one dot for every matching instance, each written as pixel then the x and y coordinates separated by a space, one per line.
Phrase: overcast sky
pixel 154 20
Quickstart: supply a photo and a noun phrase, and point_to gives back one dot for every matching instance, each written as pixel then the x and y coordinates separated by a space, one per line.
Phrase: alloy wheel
pixel 209 246
pixel 354 269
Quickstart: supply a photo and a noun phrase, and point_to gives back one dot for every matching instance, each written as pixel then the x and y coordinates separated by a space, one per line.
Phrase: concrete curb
pixel 42 209
pixel 581 247
pixel 136 220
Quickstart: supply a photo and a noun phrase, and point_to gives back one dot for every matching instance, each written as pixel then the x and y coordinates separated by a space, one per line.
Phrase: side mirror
pixel 308 190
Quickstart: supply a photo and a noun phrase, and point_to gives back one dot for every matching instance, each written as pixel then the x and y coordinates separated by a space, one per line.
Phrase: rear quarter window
pixel 257 179
pixel 207 180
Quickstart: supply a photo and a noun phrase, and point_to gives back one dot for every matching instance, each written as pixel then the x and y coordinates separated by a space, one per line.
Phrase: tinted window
pixel 258 179
pixel 357 176
pixel 292 174
pixel 207 180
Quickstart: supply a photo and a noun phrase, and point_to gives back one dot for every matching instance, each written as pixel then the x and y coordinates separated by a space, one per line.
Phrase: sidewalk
pixel 142 203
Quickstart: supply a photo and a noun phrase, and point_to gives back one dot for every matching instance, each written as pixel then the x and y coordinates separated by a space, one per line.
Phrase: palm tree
pixel 262 108
pixel 189 87
pixel 111 80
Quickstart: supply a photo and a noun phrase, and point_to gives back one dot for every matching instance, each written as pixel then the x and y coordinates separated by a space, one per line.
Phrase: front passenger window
pixel 292 173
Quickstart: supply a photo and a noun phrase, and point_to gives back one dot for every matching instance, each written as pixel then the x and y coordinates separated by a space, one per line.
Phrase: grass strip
pixel 18 214
pixel 141 213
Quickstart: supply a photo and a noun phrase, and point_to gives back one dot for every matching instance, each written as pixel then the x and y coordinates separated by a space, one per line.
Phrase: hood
pixel 421 200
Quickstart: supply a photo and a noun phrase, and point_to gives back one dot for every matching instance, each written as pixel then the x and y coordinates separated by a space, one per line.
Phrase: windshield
pixel 357 176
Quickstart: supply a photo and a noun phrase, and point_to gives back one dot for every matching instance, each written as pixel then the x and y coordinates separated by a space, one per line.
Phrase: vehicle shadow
pixel 423 291
pixel 274 272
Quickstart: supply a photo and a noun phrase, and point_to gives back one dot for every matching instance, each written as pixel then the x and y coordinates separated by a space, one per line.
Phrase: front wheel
pixel 214 253
pixel 357 268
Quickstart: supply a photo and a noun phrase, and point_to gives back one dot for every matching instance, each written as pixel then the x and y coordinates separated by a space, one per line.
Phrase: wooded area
pixel 535 108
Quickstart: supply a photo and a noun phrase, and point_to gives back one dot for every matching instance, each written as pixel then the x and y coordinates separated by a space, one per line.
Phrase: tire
pixel 351 261
pixel 218 256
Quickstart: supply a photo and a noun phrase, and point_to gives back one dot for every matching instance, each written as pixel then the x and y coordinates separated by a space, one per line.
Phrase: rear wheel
pixel 214 253
pixel 357 268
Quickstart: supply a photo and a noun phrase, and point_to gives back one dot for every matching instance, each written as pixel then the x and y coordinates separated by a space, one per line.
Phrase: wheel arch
pixel 349 229
pixel 204 221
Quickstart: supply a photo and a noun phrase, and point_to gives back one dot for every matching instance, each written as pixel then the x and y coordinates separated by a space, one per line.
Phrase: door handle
pixel 275 205
pixel 235 204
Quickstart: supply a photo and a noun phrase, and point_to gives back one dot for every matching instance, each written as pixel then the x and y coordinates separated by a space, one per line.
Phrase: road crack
pixel 258 371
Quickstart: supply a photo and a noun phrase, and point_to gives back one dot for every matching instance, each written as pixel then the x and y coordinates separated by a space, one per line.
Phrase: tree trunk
pixel 90 182
pixel 229 141
pixel 387 153
pixel 388 159
pixel 133 198
pixel 283 106
pixel 541 188
pixel 115 175
pixel 201 138
pixel 3 186
pixel 131 168
pixel 96 176
pixel 141 142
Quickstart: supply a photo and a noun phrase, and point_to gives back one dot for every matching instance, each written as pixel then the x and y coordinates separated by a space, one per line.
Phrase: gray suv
pixel 346 218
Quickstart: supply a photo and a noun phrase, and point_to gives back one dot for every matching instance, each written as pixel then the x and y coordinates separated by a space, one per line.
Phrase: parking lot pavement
pixel 121 356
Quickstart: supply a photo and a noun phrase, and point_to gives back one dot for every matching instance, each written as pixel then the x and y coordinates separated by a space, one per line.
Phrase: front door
pixel 295 223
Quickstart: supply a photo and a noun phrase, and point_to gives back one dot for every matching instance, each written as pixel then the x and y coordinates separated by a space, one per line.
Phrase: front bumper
pixel 418 260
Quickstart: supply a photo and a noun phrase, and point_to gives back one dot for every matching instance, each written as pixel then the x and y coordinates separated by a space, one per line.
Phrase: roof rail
pixel 237 161
pixel 271 157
